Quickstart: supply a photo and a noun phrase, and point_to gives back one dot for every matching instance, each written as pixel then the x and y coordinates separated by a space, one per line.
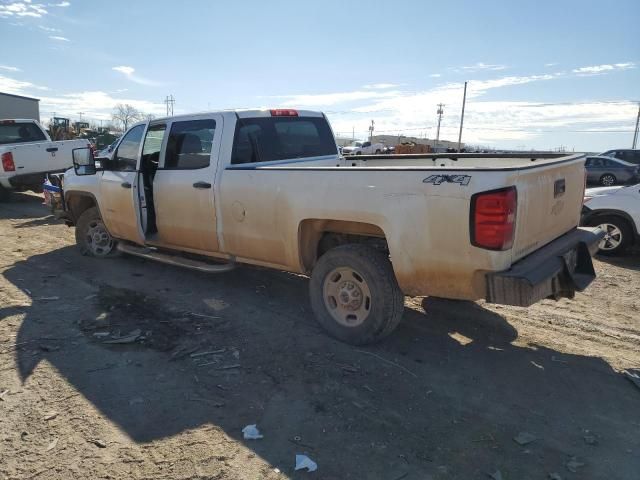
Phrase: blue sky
pixel 541 74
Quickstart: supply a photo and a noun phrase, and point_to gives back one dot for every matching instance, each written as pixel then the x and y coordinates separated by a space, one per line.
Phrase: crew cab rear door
pixel 183 193
pixel 119 188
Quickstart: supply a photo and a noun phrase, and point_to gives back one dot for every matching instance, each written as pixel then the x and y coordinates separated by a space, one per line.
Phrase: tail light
pixel 7 162
pixel 283 112
pixel 493 218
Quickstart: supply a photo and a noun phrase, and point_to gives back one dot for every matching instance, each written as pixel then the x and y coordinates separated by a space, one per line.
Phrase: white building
pixel 17 106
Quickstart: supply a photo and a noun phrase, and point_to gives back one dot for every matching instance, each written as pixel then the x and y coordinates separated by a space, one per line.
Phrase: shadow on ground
pixel 443 397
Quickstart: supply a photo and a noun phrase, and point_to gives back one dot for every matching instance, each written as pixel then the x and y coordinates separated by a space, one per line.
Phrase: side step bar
pixel 152 254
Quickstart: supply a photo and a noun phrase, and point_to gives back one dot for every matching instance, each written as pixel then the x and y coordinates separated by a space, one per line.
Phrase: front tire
pixel 618 234
pixel 607 180
pixel 354 294
pixel 92 236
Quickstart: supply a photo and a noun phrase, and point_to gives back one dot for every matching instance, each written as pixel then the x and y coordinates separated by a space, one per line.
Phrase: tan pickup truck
pixel 269 188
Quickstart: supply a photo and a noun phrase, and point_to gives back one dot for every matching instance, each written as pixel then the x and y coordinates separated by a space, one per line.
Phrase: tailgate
pixel 44 157
pixel 549 202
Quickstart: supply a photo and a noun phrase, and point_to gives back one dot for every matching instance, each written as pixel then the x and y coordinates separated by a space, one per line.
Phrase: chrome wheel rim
pixel 612 237
pixel 608 180
pixel 347 296
pixel 98 239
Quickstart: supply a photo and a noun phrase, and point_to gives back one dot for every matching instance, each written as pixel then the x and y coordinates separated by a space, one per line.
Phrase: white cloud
pixel 58 38
pixel 48 29
pixel 129 72
pixel 18 87
pixel 482 66
pixel 22 9
pixel 550 64
pixel 96 104
pixel 380 86
pixel 9 68
pixel 61 4
pixel 435 75
pixel 600 69
pixel 329 99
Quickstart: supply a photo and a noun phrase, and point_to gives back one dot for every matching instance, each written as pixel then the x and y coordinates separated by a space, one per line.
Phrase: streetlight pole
pixel 635 133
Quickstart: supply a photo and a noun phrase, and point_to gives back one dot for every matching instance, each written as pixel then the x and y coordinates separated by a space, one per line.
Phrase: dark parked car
pixel 624 154
pixel 609 171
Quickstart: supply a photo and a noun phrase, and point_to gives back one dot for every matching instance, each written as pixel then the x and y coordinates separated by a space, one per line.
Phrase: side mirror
pixel 83 161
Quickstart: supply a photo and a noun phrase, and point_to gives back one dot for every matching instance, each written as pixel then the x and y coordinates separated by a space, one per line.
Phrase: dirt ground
pixel 196 358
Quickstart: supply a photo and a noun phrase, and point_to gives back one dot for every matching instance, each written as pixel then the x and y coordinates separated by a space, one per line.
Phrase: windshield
pixel 20 132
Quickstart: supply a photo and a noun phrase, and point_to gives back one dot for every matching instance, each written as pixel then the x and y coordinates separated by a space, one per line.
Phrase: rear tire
pixel 618 234
pixel 92 236
pixel 4 194
pixel 607 180
pixel 355 295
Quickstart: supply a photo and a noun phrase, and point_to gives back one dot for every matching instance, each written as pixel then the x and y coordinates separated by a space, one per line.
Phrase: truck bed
pixel 454 161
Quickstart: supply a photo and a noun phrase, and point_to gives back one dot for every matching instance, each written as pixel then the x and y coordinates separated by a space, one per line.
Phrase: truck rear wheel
pixel 92 235
pixel 355 295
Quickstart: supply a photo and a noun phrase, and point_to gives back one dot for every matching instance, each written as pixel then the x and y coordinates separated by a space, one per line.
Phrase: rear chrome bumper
pixel 557 270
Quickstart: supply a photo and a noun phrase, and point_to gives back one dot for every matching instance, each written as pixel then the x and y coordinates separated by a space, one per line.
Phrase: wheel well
pixel 78 204
pixel 315 237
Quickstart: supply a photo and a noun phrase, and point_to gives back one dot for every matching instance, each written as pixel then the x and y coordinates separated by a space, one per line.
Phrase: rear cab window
pixel 20 132
pixel 269 139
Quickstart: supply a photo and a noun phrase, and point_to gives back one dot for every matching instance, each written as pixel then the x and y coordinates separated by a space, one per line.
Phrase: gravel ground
pixel 124 368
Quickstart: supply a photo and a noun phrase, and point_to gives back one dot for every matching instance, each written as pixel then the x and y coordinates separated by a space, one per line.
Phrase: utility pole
pixel 169 101
pixel 439 112
pixel 635 133
pixel 353 134
pixel 371 128
pixel 464 101
pixel 80 113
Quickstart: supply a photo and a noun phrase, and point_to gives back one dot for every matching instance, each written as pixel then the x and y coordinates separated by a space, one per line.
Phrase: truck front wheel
pixel 92 236
pixel 355 295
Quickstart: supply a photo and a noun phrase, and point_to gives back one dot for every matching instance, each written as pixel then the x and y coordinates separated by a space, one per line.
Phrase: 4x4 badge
pixel 439 179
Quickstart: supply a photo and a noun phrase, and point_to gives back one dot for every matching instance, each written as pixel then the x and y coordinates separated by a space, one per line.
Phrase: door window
pixel 153 144
pixel 126 156
pixel 189 144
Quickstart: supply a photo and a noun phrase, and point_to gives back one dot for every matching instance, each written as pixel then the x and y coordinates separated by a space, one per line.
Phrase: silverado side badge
pixel 559 187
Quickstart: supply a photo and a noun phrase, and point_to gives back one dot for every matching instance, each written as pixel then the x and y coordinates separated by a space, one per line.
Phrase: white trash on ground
pixel 302 461
pixel 251 432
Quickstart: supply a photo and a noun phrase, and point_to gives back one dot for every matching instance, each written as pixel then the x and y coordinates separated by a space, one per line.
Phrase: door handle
pixel 52 149
pixel 125 185
pixel 201 185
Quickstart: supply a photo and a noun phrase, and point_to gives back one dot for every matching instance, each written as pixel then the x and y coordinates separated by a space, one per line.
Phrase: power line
pixel 439 112
pixel 169 101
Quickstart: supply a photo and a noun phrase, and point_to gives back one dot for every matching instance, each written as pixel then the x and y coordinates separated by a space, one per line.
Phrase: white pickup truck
pixel 27 154
pixel 363 148
pixel 269 188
